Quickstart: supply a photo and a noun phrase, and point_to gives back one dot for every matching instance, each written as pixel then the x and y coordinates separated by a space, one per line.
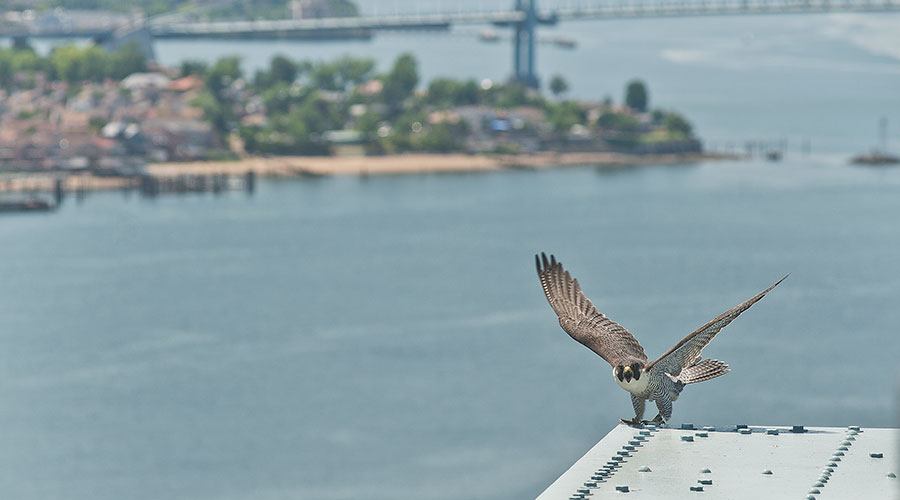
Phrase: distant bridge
pixel 523 18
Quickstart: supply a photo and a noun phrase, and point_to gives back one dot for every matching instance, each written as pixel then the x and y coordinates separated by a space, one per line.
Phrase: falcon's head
pixel 630 369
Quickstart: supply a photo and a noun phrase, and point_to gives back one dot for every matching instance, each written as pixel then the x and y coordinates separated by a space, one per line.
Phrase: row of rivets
pixel 742 429
pixel 615 462
pixel 852 431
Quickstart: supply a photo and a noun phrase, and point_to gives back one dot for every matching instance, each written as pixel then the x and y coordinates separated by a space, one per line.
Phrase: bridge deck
pixel 602 10
pixel 164 26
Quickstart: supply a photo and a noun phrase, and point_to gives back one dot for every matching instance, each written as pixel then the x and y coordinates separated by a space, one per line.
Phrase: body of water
pixel 386 337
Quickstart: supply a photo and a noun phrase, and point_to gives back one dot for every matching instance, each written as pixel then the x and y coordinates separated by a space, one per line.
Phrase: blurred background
pixel 240 336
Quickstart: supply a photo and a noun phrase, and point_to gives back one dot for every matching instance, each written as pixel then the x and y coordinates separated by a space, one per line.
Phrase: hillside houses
pixel 106 127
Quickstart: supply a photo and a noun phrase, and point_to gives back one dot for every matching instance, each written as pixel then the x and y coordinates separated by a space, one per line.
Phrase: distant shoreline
pixel 300 166
pixel 296 166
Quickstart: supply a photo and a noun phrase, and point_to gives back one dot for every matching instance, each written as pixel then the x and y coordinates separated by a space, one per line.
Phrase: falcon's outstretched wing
pixel 687 352
pixel 580 319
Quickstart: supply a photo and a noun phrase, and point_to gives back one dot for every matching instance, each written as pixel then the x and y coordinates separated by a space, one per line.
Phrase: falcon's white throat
pixel 638 387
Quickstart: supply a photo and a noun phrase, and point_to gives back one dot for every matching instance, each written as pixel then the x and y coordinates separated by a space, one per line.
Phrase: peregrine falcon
pixel 661 380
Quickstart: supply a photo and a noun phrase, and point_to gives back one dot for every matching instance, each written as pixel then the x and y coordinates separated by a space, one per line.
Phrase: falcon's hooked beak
pixel 628 374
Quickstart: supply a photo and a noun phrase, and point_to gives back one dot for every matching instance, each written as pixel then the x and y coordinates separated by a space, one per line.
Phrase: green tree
pixel 74 64
pixel 401 137
pixel 6 68
pixel 127 60
pixel 95 64
pixel 636 96
pixel 619 124
pixel 216 112
pixel 318 115
pixel 368 122
pixel 67 63
pixel 283 69
pixel 558 85
pixel 401 81
pixel 512 95
pixel 468 93
pixel 442 92
pixel 342 73
pixel 282 97
pixel 445 92
pixel 439 139
pixel 217 105
pixel 354 70
pixel 192 67
pixel 677 125
pixel 325 76
pixel 222 73
pixel 565 114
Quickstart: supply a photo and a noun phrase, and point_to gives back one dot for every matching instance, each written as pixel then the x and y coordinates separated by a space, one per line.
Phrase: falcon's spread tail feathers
pixel 699 372
pixel 704 370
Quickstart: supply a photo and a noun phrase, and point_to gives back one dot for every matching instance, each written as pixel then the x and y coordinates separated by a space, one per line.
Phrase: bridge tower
pixel 524 44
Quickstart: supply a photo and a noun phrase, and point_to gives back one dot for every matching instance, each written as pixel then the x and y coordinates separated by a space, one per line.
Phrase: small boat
pixel 565 42
pixel 876 158
pixel 488 36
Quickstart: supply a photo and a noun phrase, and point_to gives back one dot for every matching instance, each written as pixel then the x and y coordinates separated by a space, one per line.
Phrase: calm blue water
pixel 386 337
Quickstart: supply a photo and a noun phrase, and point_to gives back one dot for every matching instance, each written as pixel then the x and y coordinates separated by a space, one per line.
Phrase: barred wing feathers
pixel 580 319
pixel 687 352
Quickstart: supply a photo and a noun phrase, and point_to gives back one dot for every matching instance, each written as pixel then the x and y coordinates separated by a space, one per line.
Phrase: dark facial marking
pixel 637 371
pixel 619 373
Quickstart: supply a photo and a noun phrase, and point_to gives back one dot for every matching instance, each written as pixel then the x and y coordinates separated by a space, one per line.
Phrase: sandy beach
pixel 289 166
pixel 297 166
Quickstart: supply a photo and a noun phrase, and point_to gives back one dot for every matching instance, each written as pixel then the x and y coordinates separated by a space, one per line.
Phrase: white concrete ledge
pixel 751 463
